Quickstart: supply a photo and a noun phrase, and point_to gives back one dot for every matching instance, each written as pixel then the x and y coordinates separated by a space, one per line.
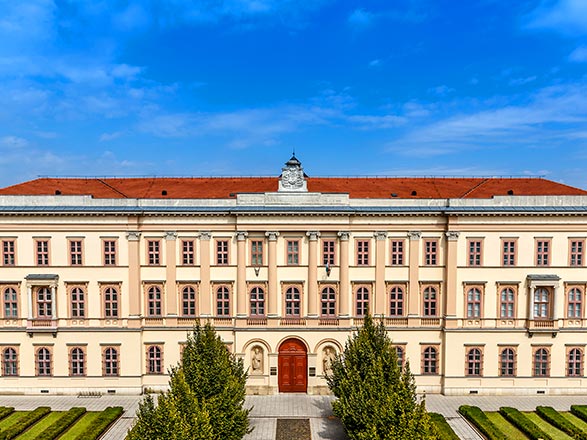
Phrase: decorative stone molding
pixel 344 235
pixel 241 235
pixel 205 236
pixel 271 235
pixel 415 235
pixel 380 235
pixel 170 235
pixel 133 235
pixel 292 177
pixel 452 235
pixel 313 235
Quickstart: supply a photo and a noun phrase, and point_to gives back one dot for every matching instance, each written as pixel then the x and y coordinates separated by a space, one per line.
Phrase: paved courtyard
pixel 267 409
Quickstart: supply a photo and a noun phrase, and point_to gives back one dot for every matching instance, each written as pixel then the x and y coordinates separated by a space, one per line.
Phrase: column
pixel 171 272
pixel 344 298
pixel 134 274
pixel 532 293
pixel 29 292
pixel 272 293
pixel 313 273
pixel 413 274
pixel 379 296
pixel 53 303
pixel 452 238
pixel 241 274
pixel 205 305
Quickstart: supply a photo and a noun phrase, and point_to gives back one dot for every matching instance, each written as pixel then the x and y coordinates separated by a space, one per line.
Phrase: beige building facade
pixel 482 290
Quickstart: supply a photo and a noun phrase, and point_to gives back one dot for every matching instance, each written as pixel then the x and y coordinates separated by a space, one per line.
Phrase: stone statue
pixel 257 360
pixel 327 358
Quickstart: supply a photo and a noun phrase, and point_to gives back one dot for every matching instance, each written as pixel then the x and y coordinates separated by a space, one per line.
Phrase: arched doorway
pixel 292 367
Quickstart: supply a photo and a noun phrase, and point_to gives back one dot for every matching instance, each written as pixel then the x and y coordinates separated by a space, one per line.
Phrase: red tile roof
pixel 356 187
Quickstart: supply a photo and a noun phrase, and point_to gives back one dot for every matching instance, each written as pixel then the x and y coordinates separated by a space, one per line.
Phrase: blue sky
pixel 231 87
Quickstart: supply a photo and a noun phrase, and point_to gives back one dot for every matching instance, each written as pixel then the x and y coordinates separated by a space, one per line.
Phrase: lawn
pixel 86 420
pixel 40 426
pixel 506 427
pixel 12 419
pixel 575 420
pixel 547 427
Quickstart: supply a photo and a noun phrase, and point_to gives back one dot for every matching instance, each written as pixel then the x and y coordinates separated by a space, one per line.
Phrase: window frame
pixel 110 367
pixel 474 362
pixel 223 304
pixel 401 358
pixel 431 251
pixel 109 251
pixel 547 309
pixel 257 248
pixel 509 255
pixel 542 364
pixel 507 366
pixel 110 300
pixel 292 306
pixel 543 248
pixel 397 248
pixel 328 301
pixel 77 364
pixel 430 364
pixel 328 252
pixel 430 304
pixel 474 252
pixel 42 252
pixel 153 302
pixel 153 252
pixel 394 302
pixel 576 252
pixel 574 367
pixel 77 306
pixel 9 252
pixel 10 304
pixel 76 251
pixel 256 302
pixel 154 365
pixel 10 367
pixel 362 300
pixel 188 252
pixel 189 303
pixel 474 303
pixel 575 304
pixel 44 304
pixel 292 252
pixel 222 247
pixel 363 251
pixel 44 367
pixel 501 303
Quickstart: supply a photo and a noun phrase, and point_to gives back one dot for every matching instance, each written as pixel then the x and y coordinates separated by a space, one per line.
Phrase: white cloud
pixel 361 18
pixel 441 90
pixel 579 55
pixel 106 137
pixel 375 63
pixel 564 16
pixel 13 142
pixel 522 81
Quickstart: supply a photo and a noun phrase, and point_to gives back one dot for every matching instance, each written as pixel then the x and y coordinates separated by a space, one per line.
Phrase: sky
pixel 233 87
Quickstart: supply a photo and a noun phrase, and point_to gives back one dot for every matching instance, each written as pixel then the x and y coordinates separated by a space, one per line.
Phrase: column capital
pixel 313 235
pixel 241 235
pixel 133 235
pixel 271 235
pixel 452 235
pixel 414 235
pixel 170 235
pixel 344 235
pixel 380 235
pixel 205 235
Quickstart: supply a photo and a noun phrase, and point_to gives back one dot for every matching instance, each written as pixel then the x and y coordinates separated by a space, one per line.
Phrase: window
pixel 43 362
pixel 42 252
pixel 188 301
pixel 154 252
pixel 542 252
pixel 111 302
pixel 474 362
pixel 507 303
pixel 8 252
pixel 507 362
pixel 75 252
pixel 541 303
pixel 474 252
pixel 257 301
pixel 362 302
pixel 576 256
pixel 222 252
pixel 397 252
pixel 78 302
pixel 474 303
pixel 430 302
pixel 575 362
pixel 328 252
pixel 292 302
pixel 256 252
pixel 154 360
pixel 77 364
pixel 222 301
pixel 110 366
pixel 430 360
pixel 399 352
pixel 396 301
pixel 10 297
pixel 109 252
pixel 44 303
pixel 575 301
pixel 430 252
pixel 362 252
pixel 508 252
pixel 188 252
pixel 541 362
pixel 9 362
pixel 293 252
pixel 328 302
pixel 154 301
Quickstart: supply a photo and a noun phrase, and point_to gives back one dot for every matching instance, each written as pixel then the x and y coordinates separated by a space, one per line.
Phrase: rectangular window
pixel 293 252
pixel 44 301
pixel 154 252
pixel 430 252
pixel 42 252
pixel 109 247
pixel 188 252
pixel 508 252
pixel 542 252
pixel 362 252
pixel 577 252
pixel 256 252
pixel 397 252
pixel 75 252
pixel 328 247
pixel 8 252
pixel 474 252
pixel 222 252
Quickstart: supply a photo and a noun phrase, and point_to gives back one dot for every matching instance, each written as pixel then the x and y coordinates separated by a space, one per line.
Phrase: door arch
pixel 292 367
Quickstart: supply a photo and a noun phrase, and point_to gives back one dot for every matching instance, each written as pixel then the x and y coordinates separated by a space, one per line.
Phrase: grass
pixel 40 426
pixel 12 419
pixel 86 420
pixel 547 427
pixel 506 427
pixel 575 420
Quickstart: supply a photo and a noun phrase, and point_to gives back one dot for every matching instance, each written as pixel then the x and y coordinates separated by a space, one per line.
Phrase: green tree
pixel 376 397
pixel 206 396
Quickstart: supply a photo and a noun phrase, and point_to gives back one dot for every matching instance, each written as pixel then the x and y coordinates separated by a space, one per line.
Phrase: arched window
pixel 328 303
pixel 575 362
pixel 188 301
pixel 430 361
pixel 541 363
pixel 292 302
pixel 399 351
pixel 44 303
pixel 10 303
pixel 154 301
pixel 257 301
pixel 43 362
pixel 222 301
pixel 507 360
pixel 154 360
pixel 110 367
pixel 362 302
pixel 78 303
pixel 474 303
pixel 77 362
pixel 541 303
pixel 111 302
pixel 430 302
pixel 10 362
pixel 474 362
pixel 507 303
pixel 574 306
pixel 396 301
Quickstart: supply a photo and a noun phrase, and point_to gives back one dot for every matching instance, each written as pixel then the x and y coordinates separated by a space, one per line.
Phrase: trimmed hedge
pixel 101 423
pixel 553 417
pixel 478 418
pixel 524 424
pixel 5 411
pixel 62 424
pixel 23 424
pixel 580 411
pixel 444 430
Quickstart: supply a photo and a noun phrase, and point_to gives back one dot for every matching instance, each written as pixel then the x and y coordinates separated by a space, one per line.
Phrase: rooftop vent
pixel 414 193
pixel 57 192
pixel 393 195
pixel 164 192
pixel 232 195
pixel 510 192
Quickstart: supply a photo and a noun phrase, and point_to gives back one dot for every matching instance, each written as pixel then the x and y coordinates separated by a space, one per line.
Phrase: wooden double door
pixel 292 368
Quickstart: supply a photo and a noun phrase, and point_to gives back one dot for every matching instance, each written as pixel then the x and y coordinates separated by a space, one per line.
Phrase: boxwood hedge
pixel 23 424
pixel 5 411
pixel 62 424
pixel 101 423
pixel 524 424
pixel 444 430
pixel 580 411
pixel 478 418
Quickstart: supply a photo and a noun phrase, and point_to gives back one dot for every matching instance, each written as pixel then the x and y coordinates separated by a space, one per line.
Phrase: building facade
pixel 481 283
